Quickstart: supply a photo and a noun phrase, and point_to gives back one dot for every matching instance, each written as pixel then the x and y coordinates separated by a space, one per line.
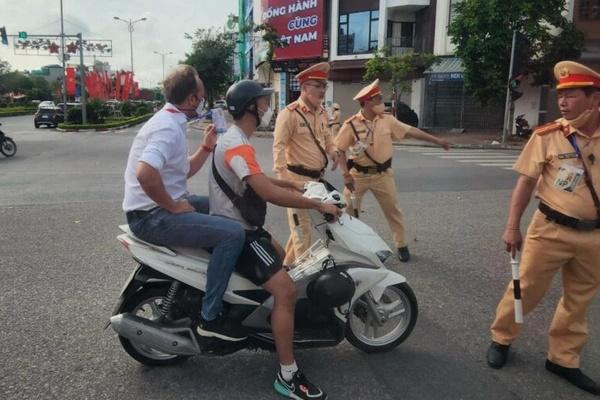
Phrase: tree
pixel 269 35
pixel 212 56
pixel 4 67
pixel 482 31
pixel 398 69
pixel 40 89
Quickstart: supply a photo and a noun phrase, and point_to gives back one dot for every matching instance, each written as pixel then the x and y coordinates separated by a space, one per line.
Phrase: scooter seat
pixel 187 251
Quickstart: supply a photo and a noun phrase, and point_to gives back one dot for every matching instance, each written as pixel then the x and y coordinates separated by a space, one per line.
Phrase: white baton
pixel 353 200
pixel 514 263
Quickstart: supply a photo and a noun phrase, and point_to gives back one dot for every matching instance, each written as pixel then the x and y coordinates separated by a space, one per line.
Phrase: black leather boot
pixel 403 254
pixel 497 354
pixel 574 376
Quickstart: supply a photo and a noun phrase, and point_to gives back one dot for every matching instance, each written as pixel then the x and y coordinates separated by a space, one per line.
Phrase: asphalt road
pixel 62 269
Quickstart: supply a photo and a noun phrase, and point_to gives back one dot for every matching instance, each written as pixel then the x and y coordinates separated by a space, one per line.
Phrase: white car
pixel 46 104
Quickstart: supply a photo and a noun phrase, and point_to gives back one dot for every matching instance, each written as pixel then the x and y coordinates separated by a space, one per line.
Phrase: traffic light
pixel 513 84
pixel 3 36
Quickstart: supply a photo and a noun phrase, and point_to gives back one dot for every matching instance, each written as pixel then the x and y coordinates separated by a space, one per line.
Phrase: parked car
pixel 46 104
pixel 50 117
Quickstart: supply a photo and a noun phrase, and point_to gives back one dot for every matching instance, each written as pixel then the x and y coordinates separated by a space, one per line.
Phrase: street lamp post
pixel 130 23
pixel 163 55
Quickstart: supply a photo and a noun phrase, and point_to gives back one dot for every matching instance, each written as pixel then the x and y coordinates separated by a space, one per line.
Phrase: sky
pixel 163 31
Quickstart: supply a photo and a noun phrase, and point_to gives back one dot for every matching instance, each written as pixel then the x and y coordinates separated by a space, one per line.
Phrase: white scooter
pixel 160 302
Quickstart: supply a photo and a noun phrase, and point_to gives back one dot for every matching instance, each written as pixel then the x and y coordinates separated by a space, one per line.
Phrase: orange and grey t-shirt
pixel 377 136
pixel 235 160
pixel 550 158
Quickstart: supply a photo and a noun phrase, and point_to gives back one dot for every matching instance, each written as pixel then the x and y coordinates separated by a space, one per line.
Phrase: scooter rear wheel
pixel 8 147
pixel 146 304
pixel 376 327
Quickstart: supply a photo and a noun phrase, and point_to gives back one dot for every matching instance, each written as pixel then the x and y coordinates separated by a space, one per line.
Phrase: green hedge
pixel 108 125
pixel 14 111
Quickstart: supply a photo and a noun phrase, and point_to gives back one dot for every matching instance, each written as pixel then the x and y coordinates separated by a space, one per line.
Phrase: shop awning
pixel 449 69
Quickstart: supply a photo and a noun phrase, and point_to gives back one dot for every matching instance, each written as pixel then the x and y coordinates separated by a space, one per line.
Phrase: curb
pixel 484 146
pixel 17 113
pixel 118 128
pixel 465 146
pixel 96 129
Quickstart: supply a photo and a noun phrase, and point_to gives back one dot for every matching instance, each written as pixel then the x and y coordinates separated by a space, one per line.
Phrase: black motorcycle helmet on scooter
pixel 241 97
pixel 332 288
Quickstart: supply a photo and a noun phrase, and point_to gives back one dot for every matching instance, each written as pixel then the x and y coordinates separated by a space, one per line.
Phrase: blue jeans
pixel 199 230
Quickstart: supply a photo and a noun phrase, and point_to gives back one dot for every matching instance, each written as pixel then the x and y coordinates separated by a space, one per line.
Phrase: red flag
pixel 107 84
pixel 127 85
pixel 70 77
pixel 118 85
pixel 136 89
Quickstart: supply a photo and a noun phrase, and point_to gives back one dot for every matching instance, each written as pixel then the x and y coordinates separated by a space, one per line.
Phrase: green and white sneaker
pixel 298 388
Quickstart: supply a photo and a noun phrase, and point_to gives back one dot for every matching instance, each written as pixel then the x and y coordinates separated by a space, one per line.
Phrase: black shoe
pixel 298 388
pixel 403 254
pixel 497 354
pixel 574 376
pixel 220 328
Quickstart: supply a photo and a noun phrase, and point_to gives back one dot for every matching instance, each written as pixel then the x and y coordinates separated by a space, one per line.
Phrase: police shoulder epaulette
pixel 292 106
pixel 547 128
pixel 350 119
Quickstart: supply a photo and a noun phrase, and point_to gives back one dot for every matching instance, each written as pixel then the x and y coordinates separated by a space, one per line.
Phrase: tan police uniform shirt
pixel 550 158
pixel 292 141
pixel 376 135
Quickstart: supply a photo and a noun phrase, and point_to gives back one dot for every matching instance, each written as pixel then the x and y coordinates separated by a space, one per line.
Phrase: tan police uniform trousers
pixel 296 245
pixel 383 187
pixel 550 248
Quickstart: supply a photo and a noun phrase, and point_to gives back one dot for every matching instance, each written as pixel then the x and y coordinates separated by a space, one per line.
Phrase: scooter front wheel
pixel 146 304
pixel 8 147
pixel 375 327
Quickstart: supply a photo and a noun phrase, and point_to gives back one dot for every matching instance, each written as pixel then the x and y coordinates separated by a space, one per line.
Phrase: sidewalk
pixel 468 140
pixel 471 140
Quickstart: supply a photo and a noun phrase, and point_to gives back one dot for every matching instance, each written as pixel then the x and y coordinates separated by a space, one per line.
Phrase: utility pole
pixel 508 105
pixel 62 55
pixel 130 23
pixel 163 55
pixel 82 79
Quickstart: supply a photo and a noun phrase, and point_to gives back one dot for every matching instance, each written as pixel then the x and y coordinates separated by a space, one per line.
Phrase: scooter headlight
pixel 383 255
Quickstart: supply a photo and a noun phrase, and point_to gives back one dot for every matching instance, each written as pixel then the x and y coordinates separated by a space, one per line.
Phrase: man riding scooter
pixel 239 190
pixel 157 203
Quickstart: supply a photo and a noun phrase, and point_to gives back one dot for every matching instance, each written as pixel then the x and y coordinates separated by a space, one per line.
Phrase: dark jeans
pixel 197 229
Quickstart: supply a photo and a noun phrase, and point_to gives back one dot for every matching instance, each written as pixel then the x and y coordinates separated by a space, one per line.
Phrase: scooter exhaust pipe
pixel 157 336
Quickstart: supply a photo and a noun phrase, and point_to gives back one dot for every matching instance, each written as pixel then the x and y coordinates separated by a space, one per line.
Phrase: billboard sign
pixel 298 23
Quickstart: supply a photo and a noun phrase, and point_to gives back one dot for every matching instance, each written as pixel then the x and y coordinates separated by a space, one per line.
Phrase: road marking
pixel 479 156
pixel 503 160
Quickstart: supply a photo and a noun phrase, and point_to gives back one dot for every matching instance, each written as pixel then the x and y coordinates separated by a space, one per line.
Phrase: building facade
pixel 347 32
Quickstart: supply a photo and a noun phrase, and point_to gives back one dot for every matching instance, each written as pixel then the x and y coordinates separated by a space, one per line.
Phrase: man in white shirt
pixel 157 203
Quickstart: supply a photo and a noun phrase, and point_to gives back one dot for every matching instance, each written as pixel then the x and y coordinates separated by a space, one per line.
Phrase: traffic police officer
pixel 369 135
pixel 560 161
pixel 302 147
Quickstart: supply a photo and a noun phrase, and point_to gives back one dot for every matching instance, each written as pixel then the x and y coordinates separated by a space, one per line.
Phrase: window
pixel 358 32
pixel 589 9
pixel 401 34
pixel 452 10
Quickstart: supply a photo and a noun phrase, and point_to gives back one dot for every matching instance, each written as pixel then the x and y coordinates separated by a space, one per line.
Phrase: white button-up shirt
pixel 162 144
